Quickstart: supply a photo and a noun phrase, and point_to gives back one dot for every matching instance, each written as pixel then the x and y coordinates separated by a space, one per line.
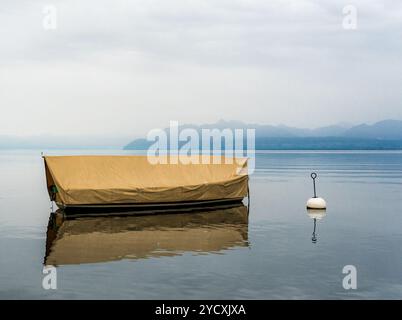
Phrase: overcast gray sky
pixel 124 67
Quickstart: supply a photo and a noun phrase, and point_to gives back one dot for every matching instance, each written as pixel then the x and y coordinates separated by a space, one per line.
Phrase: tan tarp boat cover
pixel 97 180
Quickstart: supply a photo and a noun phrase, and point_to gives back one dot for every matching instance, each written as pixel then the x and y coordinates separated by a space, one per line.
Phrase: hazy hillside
pixel 387 129
pixel 385 134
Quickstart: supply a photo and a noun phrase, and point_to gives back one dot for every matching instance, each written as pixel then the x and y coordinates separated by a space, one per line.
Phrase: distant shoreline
pixel 120 151
pixel 300 143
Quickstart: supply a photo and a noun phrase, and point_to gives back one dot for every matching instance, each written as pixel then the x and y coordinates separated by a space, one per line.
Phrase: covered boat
pixel 94 182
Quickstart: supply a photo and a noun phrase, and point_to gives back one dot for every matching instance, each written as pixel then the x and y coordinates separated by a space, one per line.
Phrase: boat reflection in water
pixel 101 239
pixel 315 214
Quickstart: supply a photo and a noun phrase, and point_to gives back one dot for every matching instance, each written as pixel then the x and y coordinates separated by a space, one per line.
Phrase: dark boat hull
pixel 147 208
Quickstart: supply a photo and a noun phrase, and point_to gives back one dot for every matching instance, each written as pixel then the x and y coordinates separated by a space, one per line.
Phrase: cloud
pixel 127 66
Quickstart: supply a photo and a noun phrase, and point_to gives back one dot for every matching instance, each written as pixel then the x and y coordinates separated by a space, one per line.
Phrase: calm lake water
pixel 215 255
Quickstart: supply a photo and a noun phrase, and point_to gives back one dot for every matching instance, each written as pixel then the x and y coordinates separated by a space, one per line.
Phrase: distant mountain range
pixel 383 135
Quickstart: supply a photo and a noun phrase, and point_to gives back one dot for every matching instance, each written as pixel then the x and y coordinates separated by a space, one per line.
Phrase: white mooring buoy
pixel 316 202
